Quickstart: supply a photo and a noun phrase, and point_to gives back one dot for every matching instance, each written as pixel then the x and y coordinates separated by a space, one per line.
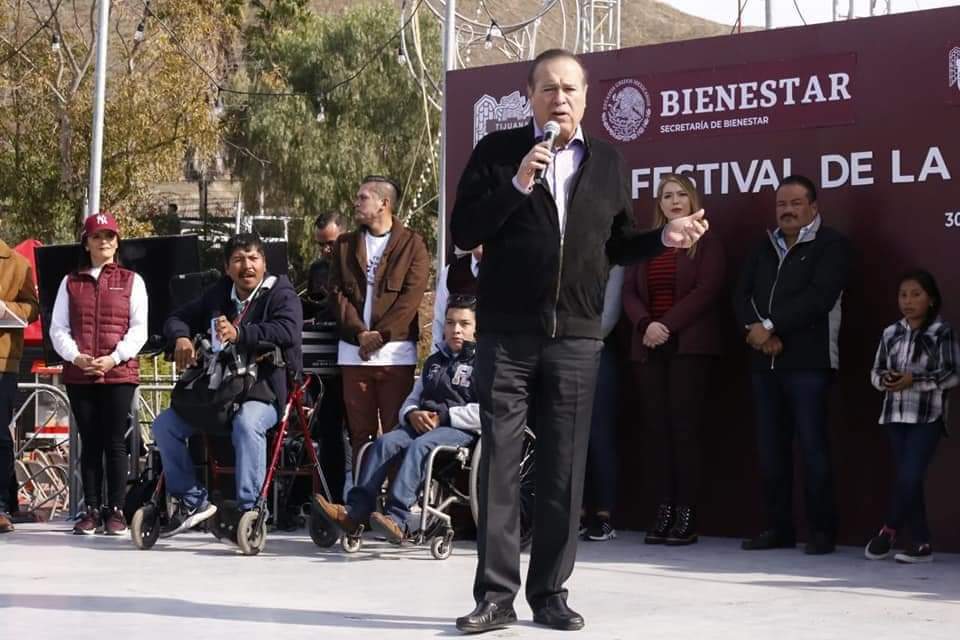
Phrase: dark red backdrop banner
pixel 870 110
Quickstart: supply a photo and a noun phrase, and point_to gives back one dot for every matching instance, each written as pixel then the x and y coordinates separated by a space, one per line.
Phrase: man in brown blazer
pixel 378 277
pixel 18 301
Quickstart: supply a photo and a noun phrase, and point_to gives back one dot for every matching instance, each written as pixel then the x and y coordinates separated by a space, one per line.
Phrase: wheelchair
pixel 248 530
pixel 447 468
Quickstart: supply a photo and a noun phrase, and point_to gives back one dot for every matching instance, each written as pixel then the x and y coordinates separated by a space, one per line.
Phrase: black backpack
pixel 209 393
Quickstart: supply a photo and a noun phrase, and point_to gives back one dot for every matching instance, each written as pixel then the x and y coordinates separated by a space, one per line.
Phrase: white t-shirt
pixel 392 353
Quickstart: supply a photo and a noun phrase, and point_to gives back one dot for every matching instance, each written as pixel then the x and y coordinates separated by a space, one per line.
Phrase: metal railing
pixel 73 452
pixel 151 397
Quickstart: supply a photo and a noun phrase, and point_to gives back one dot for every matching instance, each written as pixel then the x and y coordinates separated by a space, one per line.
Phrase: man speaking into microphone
pixel 553 213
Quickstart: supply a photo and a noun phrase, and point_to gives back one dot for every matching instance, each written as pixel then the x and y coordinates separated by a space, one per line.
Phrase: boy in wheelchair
pixel 441 410
pixel 246 307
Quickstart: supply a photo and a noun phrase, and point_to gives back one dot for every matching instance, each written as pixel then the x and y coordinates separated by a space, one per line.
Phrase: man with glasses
pixel 378 277
pixel 327 227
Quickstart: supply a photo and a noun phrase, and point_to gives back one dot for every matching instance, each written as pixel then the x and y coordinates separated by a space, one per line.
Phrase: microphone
pixel 209 273
pixel 550 132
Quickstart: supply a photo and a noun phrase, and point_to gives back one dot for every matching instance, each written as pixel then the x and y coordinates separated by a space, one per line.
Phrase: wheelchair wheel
pixel 145 526
pixel 321 535
pixel 442 546
pixel 252 533
pixel 350 544
pixel 528 487
pixel 359 459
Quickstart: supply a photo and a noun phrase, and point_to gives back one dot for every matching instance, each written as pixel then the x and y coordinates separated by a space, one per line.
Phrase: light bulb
pixel 495 30
pixel 139 33
pixel 488 43
pixel 401 59
pixel 321 114
pixel 55 43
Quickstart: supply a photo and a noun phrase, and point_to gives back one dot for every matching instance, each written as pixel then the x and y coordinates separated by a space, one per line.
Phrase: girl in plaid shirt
pixel 916 363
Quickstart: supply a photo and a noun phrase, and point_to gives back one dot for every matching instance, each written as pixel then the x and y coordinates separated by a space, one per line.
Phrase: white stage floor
pixel 55 585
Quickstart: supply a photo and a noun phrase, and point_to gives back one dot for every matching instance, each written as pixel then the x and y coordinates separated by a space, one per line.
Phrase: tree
pixel 159 104
pixel 377 123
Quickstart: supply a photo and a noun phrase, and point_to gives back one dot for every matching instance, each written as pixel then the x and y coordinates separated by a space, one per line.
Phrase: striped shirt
pixel 934 371
pixel 661 282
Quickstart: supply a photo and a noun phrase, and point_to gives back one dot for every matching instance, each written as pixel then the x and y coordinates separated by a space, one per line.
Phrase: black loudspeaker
pixel 276 254
pixel 158 260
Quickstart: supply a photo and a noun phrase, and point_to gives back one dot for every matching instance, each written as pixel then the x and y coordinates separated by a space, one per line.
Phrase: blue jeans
pixel 913 448
pixel 415 448
pixel 787 402
pixel 250 426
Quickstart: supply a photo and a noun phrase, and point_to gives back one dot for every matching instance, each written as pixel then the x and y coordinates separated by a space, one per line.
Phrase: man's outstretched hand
pixel 682 233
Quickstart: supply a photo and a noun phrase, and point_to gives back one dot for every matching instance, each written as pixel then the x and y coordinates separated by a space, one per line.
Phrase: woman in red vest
pixel 98 327
pixel 672 302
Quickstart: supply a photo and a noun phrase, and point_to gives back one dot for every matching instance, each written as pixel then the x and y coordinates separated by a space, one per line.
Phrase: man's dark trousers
pixel 557 375
pixel 8 396
pixel 788 400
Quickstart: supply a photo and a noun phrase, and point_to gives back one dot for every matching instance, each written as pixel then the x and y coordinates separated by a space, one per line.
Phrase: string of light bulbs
pixel 55 42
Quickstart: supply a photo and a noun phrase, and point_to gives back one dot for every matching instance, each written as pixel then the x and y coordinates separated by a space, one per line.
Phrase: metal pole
pixel 851 10
pixel 449 64
pixel 99 94
pixel 769 14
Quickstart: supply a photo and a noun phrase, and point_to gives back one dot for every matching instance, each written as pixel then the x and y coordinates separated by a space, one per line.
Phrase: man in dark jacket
pixel 245 308
pixel 319 305
pixel 440 411
pixel 548 247
pixel 788 303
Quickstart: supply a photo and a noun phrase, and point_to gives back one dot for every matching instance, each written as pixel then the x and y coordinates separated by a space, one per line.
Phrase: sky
pixel 785 13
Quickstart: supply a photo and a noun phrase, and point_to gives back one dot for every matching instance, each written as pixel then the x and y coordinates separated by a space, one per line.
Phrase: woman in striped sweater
pixel 672 302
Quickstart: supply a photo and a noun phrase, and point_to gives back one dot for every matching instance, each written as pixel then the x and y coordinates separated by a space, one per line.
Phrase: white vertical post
pixel 99 96
pixel 769 14
pixel 449 64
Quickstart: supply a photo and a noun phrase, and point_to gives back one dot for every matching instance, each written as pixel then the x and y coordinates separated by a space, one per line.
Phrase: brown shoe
pixel 335 514
pixel 89 523
pixel 386 525
pixel 6 526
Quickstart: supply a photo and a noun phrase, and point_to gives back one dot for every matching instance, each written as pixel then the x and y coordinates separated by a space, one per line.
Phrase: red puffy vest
pixel 99 318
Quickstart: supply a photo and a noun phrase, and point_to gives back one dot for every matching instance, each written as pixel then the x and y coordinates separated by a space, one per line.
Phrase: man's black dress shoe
pixel 557 615
pixel 487 617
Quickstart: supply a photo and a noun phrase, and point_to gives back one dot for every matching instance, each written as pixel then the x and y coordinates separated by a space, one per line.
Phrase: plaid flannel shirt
pixel 934 371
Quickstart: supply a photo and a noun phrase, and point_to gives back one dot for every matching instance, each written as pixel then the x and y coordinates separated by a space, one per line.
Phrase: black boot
pixel 684 529
pixel 662 524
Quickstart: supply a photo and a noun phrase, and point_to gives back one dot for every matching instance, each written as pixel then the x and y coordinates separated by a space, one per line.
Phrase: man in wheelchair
pixel 245 308
pixel 441 410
